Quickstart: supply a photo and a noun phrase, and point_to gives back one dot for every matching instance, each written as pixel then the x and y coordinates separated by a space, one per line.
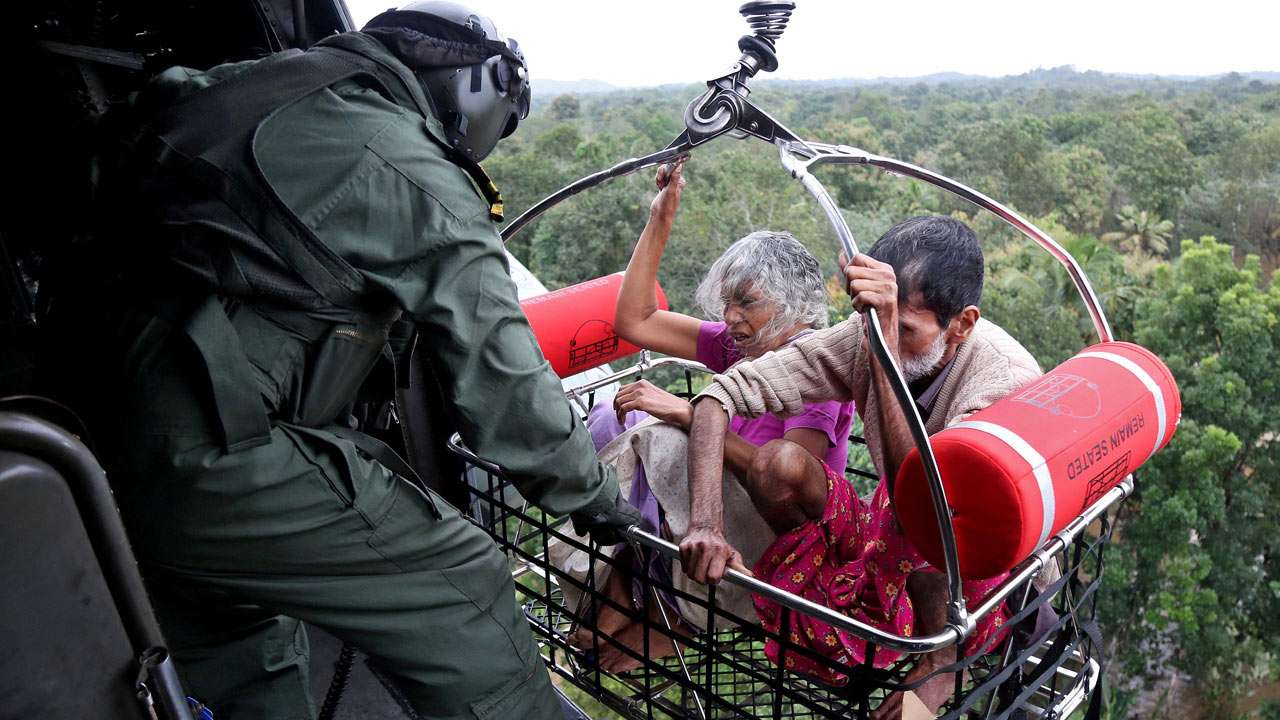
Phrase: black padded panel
pixel 63 649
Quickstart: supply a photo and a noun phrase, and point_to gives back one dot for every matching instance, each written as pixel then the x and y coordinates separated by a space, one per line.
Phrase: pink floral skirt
pixel 855 560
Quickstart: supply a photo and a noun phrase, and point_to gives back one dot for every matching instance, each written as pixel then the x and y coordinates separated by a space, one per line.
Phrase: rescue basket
pixel 722 671
pixel 1047 663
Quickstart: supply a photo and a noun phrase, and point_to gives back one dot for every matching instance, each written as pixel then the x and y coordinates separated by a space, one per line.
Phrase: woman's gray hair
pixel 782 269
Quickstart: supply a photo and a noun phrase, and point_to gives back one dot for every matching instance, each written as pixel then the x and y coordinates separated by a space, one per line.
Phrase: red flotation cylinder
pixel 574 325
pixel 1018 471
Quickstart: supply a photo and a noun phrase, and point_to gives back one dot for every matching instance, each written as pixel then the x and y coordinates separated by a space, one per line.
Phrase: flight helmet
pixel 477 80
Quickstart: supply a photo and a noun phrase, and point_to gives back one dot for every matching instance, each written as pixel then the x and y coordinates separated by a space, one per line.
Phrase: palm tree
pixel 1141 232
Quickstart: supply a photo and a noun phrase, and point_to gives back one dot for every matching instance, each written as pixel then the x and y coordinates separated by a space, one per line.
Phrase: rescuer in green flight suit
pixel 283 214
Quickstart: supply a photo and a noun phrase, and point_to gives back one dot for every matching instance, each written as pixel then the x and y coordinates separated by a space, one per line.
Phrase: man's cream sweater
pixel 833 364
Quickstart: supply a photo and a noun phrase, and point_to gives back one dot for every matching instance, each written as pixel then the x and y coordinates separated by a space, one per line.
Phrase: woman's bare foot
pixel 616 660
pixel 609 620
pixel 615 629
pixel 932 694
pixel 928 591
pixel 903 706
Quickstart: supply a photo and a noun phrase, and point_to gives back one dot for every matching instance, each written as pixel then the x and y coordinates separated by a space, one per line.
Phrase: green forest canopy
pixel 1168 192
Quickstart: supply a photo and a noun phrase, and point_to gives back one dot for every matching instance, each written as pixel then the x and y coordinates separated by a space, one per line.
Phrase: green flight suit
pixel 240 545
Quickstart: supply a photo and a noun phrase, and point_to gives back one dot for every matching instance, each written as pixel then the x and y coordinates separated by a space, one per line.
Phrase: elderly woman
pixel 765 291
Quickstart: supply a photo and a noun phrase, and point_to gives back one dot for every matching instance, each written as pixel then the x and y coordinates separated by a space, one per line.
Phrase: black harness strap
pixel 390 459
pixel 1069 628
pixel 241 418
pixel 971 659
pixel 1096 701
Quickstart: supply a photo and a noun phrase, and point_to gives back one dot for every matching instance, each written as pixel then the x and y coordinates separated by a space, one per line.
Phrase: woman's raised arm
pixel 637 318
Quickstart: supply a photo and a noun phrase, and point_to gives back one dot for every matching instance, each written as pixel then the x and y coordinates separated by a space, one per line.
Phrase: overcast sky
pixel 651 42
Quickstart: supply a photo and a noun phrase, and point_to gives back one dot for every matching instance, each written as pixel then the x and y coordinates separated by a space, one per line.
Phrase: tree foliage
pixel 1196 569
pixel 1140 232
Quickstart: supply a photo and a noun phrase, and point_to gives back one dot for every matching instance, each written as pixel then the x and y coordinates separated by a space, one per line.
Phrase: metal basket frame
pixel 724 109
pixel 722 671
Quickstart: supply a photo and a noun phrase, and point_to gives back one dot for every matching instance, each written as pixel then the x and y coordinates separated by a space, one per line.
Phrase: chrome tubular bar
pixel 626 167
pixel 721 109
pixel 950 636
pixel 800 156
pixel 645 365
pixel 1026 569
pixel 956 609
pixel 730 113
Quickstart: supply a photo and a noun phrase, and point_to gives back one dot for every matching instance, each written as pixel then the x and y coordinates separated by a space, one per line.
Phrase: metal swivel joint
pixel 768 20
pixel 720 108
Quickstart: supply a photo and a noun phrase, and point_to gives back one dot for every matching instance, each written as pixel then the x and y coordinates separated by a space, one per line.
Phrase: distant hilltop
pixel 1065 74
pixel 549 88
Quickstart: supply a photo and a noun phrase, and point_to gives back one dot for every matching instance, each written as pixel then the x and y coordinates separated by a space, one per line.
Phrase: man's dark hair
pixel 937 256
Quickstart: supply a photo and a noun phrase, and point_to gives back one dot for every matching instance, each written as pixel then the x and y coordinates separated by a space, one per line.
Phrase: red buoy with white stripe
pixel 1018 471
pixel 574 325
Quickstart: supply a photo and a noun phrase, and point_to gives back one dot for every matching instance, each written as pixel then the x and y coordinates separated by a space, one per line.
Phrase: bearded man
pixel 924 277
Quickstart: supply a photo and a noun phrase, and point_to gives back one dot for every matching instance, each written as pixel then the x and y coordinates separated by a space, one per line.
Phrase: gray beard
pixel 923 365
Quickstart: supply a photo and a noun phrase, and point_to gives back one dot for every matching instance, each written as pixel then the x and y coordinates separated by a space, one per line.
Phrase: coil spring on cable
pixel 768 20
